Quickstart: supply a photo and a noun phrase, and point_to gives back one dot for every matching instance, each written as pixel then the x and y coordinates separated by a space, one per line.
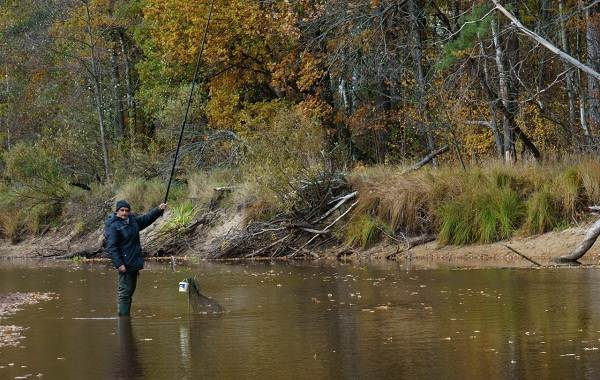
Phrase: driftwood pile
pixel 296 234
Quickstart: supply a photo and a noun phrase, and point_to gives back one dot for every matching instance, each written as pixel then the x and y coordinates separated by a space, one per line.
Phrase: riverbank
pixel 541 248
pixel 489 212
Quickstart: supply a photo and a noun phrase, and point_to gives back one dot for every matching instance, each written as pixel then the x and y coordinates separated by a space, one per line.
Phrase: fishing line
pixel 197 302
pixel 189 101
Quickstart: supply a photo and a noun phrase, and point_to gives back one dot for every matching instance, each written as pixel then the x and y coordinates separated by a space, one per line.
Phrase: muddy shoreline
pixel 540 248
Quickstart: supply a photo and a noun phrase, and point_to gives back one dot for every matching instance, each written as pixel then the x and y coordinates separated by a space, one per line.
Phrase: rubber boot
pixel 125 289
pixel 123 309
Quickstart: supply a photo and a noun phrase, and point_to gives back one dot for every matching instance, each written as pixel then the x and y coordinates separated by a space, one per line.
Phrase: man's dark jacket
pixel 123 239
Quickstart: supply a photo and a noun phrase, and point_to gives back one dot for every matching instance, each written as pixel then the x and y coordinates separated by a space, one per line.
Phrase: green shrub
pixel 363 231
pixel 87 210
pixel 543 213
pixel 40 216
pixel 285 155
pixel 569 189
pixel 201 185
pixel 181 216
pixel 11 224
pixel 485 214
pixel 35 176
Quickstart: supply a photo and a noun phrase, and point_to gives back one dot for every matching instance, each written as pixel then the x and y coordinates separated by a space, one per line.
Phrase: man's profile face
pixel 123 213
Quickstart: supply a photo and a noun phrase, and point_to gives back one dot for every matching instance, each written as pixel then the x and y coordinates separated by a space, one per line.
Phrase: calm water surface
pixel 303 321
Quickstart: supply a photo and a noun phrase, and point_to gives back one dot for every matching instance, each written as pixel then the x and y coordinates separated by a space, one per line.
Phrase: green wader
pixel 126 287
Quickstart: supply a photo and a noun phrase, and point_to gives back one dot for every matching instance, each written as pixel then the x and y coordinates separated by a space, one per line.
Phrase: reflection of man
pixel 122 234
pixel 128 365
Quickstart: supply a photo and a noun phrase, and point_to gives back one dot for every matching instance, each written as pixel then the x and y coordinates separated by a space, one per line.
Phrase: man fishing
pixel 122 236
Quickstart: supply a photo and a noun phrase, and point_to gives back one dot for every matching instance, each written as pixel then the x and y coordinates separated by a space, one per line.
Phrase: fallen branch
pixel 267 247
pixel 52 252
pixel 411 243
pixel 341 201
pixel 523 256
pixel 84 253
pixel 324 229
pixel 426 159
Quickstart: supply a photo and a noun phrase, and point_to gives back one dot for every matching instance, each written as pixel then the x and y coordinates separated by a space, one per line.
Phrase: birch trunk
pixel 592 16
pixel 569 78
pixel 493 108
pixel 504 93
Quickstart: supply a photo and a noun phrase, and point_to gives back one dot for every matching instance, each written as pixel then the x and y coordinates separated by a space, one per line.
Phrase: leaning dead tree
pixel 590 238
pixel 547 44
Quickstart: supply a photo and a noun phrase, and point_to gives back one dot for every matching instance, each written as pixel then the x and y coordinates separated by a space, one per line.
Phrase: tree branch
pixel 561 54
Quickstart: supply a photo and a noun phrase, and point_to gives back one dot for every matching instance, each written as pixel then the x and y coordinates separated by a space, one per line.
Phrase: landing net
pixel 198 302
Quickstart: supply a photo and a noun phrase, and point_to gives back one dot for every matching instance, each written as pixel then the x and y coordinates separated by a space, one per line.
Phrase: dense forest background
pixel 93 92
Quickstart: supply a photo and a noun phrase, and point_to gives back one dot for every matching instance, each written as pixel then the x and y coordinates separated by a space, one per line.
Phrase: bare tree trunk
pixel 382 106
pixel 504 92
pixel 590 238
pixel 580 91
pixel 569 78
pixel 6 115
pixel 117 99
pixel 424 126
pixel 494 110
pixel 118 118
pixel 131 106
pixel 592 16
pixel 97 91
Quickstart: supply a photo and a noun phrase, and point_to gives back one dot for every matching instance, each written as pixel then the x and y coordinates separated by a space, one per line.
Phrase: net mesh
pixel 199 303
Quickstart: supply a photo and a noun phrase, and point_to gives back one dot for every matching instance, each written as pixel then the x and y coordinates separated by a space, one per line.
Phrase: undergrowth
pixel 481 205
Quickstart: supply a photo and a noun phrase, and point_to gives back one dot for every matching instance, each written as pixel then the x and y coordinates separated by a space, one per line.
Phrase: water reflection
pixel 317 322
pixel 184 346
pixel 127 363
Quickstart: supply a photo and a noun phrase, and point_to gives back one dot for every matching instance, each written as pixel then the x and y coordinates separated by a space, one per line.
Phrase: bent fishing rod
pixel 189 101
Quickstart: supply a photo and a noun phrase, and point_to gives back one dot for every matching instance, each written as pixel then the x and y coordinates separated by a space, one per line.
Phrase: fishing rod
pixel 189 101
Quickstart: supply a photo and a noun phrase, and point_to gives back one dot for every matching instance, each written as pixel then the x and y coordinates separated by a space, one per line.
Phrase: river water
pixel 308 321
